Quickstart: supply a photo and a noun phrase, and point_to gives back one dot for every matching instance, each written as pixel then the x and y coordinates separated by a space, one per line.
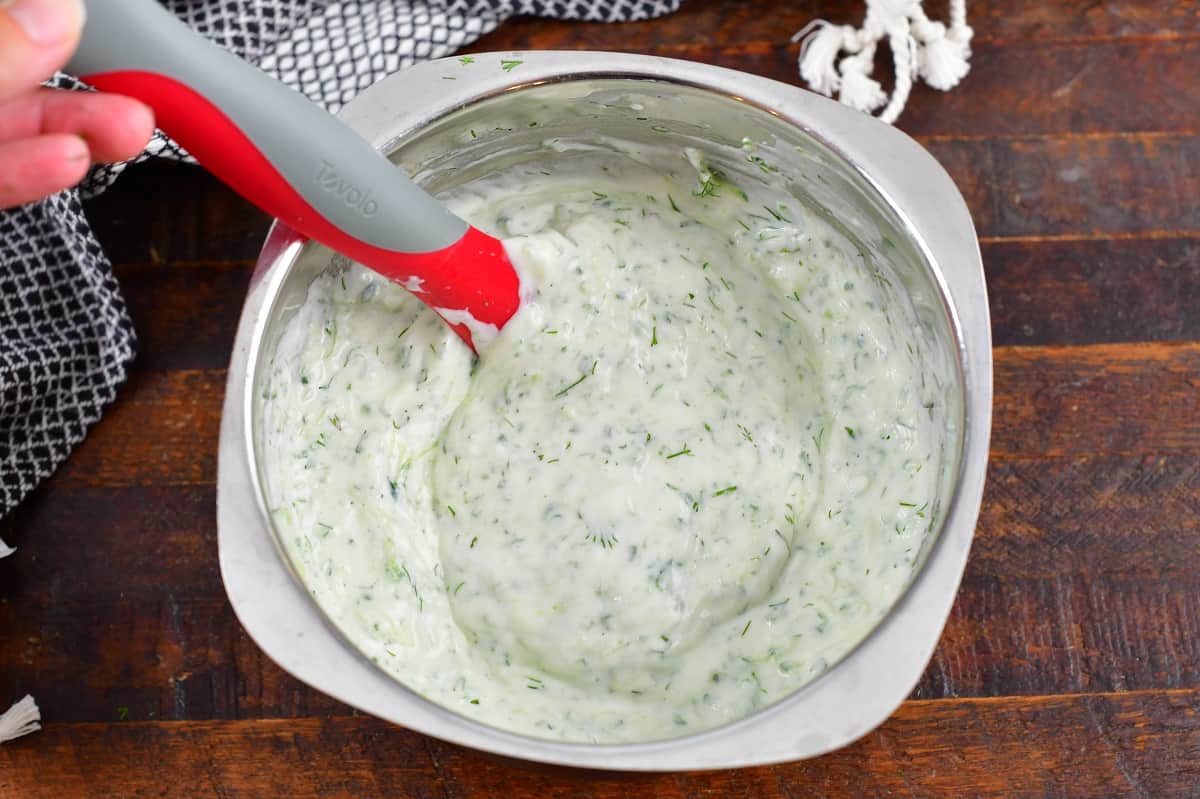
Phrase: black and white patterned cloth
pixel 66 341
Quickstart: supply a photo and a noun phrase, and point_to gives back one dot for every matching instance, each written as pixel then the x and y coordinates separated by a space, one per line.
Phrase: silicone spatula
pixel 297 162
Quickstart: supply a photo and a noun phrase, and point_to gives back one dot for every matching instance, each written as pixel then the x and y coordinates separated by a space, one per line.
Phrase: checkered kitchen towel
pixel 65 337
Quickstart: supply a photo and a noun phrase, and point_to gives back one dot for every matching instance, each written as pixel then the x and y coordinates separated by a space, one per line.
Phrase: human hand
pixel 49 138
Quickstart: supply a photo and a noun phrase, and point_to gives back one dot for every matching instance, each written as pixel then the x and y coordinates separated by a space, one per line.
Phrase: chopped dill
pixel 684 451
pixel 563 391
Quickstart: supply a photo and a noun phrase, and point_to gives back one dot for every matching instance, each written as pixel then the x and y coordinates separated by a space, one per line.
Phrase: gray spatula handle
pixel 265 140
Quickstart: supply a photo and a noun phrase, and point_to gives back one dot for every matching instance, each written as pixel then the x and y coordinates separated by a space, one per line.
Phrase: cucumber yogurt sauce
pixel 692 472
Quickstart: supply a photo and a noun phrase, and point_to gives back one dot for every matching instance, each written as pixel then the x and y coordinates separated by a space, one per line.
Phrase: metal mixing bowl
pixel 447 120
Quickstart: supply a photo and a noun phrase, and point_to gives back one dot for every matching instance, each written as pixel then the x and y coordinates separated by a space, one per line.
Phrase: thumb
pixel 36 38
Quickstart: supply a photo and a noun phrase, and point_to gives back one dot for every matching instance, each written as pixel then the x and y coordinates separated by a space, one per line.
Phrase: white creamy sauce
pixel 691 473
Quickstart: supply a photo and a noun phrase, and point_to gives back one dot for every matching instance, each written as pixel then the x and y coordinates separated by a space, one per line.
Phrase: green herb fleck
pixel 726 490
pixel 605 541
pixel 747 627
pixel 562 392
pixel 674 207
pixel 684 451
pixel 654 336
pixel 760 163
pixel 467 59
pixel 509 64
pixel 850 432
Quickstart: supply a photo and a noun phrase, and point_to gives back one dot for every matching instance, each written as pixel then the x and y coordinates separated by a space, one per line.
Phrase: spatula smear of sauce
pixel 298 163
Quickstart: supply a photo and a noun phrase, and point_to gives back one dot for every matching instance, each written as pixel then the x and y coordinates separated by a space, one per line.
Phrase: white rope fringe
pixel 921 48
pixel 21 719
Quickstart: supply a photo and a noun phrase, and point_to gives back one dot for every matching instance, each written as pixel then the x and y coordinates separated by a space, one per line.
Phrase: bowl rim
pixel 850 698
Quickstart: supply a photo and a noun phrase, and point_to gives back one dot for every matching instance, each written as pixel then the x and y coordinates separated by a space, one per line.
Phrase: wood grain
pixel 185 318
pixel 1092 185
pixel 1041 292
pixel 161 431
pixel 1049 402
pixel 1060 746
pixel 1070 664
pixel 179 658
pixel 1014 88
pixel 1109 399
pixel 1089 185
pixel 762 23
pixel 1082 577
pixel 1093 291
pixel 1080 186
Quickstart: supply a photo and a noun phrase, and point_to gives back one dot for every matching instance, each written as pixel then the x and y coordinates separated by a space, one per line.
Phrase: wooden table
pixel 1070 665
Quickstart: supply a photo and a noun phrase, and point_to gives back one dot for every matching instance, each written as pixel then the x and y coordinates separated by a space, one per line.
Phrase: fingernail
pixel 78 150
pixel 45 22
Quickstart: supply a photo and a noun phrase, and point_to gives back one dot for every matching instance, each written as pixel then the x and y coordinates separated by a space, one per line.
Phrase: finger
pixel 36 38
pixel 31 169
pixel 115 127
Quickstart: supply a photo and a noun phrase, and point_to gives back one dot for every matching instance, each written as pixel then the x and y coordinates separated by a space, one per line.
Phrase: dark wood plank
pixel 178 659
pixel 147 657
pixel 1083 577
pixel 1134 517
pixel 1010 636
pixel 1050 402
pixel 1023 88
pixel 1137 399
pixel 185 317
pixel 1094 291
pixel 1082 186
pixel 1145 744
pixel 739 22
pixel 1014 88
pixel 167 213
pixel 1075 187
pixel 162 430
pixel 106 544
pixel 1041 292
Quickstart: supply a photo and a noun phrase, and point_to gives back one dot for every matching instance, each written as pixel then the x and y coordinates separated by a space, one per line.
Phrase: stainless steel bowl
pixel 443 120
